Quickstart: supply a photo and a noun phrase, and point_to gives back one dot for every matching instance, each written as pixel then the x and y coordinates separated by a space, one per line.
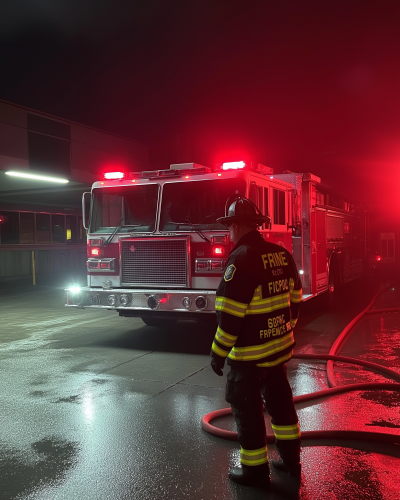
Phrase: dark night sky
pixel 299 85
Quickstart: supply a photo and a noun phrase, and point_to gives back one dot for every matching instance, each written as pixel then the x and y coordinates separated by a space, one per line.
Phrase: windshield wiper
pixel 118 228
pixel 194 226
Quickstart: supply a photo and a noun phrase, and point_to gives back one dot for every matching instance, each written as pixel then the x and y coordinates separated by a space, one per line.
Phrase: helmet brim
pixel 241 219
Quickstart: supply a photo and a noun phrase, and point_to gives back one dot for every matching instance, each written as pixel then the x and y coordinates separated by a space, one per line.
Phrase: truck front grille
pixel 154 262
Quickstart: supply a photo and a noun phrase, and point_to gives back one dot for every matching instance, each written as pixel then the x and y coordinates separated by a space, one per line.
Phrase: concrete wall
pixel 17 264
pixel 91 150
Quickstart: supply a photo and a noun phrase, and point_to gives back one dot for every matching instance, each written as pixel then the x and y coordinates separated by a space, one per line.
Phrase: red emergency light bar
pixel 151 174
pixel 111 176
pixel 233 165
pixel 243 165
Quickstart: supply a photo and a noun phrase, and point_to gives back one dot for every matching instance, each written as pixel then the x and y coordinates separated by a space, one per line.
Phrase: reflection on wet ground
pixel 47 462
pixel 357 474
pixel 98 407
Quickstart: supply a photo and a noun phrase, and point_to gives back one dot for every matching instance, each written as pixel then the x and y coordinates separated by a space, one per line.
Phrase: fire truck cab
pixel 156 250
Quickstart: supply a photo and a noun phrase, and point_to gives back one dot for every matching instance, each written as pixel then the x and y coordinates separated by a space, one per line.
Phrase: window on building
pixel 279 207
pixel 71 229
pixel 9 228
pixel 43 228
pixel 49 154
pixel 26 228
pixel 47 126
pixel 58 228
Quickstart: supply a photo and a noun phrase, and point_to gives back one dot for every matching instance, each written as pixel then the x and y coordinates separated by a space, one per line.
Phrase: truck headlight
pixel 186 302
pixel 125 299
pixel 75 296
pixel 201 302
pixel 112 299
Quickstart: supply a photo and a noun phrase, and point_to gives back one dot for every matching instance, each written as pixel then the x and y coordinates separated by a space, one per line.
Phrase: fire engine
pixel 156 250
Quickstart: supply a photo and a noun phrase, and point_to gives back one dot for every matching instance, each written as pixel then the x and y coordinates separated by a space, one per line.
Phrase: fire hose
pixel 333 390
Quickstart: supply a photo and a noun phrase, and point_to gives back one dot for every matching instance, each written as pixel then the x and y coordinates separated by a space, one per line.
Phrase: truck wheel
pixel 158 322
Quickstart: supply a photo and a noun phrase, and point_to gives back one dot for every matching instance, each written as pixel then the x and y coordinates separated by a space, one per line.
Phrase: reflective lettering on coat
pixel 278 286
pixel 265 334
pixel 276 259
pixel 276 326
pixel 278 320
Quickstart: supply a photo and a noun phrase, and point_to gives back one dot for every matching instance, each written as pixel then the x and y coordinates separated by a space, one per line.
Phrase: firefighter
pixel 257 305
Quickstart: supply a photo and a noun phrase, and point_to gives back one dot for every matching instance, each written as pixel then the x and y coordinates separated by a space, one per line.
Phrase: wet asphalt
pixel 93 406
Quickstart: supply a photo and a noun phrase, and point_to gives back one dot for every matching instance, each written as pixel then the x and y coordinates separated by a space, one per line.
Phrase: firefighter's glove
pixel 217 365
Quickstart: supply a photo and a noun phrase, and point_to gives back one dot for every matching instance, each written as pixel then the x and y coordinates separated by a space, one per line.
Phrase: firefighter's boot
pixel 293 468
pixel 256 475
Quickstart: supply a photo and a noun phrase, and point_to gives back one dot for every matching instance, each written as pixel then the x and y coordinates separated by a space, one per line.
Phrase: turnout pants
pixel 244 390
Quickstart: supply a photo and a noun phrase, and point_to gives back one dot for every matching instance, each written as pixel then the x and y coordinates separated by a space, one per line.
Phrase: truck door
pixel 322 278
pixel 319 280
pixel 387 244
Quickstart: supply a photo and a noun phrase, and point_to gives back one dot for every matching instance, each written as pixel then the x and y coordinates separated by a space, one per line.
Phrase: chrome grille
pixel 154 262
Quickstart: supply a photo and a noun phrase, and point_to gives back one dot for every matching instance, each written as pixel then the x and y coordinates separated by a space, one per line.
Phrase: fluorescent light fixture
pixel 37 177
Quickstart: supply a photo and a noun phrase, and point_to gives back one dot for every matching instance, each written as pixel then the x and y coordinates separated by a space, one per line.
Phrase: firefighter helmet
pixel 243 210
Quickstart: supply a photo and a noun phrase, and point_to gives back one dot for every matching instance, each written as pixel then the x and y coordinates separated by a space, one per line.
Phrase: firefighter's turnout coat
pixel 257 304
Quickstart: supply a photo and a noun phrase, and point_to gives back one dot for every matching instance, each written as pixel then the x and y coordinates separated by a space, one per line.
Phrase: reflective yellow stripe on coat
pixel 230 306
pixel 224 338
pixel 262 306
pixel 278 361
pixel 295 295
pixel 254 457
pixel 260 351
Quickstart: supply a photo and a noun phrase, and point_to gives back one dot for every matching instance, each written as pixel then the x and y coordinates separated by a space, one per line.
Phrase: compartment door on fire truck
pixel 319 252
pixel 387 250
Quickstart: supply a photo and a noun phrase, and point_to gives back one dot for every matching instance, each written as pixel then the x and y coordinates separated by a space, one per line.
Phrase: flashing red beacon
pixel 233 165
pixel 95 252
pixel 218 250
pixel 114 175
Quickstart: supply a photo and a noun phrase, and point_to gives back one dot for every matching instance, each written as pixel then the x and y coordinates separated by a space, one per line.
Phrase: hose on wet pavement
pixel 333 390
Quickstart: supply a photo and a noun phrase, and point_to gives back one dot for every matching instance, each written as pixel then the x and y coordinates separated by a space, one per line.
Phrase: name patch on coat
pixel 230 271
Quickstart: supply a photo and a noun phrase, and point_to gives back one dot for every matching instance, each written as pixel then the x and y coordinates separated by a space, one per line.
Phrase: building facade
pixel 41 230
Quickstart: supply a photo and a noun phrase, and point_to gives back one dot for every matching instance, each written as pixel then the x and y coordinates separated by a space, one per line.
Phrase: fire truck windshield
pixel 130 209
pixel 199 203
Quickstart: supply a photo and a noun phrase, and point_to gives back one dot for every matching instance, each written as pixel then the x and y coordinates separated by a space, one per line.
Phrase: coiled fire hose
pixel 333 390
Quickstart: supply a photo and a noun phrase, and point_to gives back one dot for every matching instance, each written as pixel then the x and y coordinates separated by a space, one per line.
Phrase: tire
pixel 158 322
pixel 210 322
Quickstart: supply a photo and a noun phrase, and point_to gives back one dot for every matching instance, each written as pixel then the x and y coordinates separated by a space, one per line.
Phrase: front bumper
pixel 118 299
